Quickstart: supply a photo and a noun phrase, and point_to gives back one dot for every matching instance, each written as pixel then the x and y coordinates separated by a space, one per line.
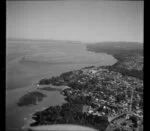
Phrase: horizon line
pixel 40 39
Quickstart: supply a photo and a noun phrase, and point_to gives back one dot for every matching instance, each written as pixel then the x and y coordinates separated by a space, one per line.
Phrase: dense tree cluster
pixel 133 73
pixel 69 114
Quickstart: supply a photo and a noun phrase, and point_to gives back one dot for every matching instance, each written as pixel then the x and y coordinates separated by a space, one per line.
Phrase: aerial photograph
pixel 74 65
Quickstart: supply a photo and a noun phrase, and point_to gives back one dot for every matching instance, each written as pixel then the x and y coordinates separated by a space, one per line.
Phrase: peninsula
pixel 99 94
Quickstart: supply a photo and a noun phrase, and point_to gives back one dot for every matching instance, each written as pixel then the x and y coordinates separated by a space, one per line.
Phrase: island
pixel 31 98
pixel 101 97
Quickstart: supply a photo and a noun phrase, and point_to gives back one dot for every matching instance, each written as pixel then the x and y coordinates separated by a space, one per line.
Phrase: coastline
pixel 102 66
pixel 27 112
pixel 32 87
pixel 35 83
pixel 42 87
pixel 12 109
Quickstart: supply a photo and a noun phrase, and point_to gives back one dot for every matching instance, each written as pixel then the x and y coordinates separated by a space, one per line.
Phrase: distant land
pixel 128 54
pixel 116 47
pixel 43 40
pixel 75 42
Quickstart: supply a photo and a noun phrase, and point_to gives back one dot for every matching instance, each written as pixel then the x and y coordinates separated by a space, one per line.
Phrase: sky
pixel 87 21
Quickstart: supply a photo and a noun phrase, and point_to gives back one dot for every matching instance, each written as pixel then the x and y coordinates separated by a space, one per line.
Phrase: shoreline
pixel 94 67
pixel 41 87
pixel 35 88
pixel 29 110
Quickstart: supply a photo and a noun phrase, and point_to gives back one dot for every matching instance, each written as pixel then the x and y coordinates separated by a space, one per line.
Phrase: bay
pixel 27 63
